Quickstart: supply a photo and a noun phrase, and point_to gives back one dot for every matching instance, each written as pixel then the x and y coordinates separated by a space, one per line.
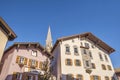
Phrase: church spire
pixel 49 41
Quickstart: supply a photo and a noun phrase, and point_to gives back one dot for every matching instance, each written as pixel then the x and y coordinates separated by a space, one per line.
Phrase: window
pixel 103 67
pixel 69 77
pixel 34 53
pixel 109 67
pixel 87 64
pixel 81 44
pixel 106 58
pixel 86 45
pixel 95 77
pixel 21 60
pixel 92 46
pixel 79 77
pixel 68 62
pixel 84 51
pixel 90 54
pixel 30 78
pixel 100 56
pixel 93 65
pixel 75 50
pixel 106 78
pixel 33 63
pixel 67 49
pixel 77 62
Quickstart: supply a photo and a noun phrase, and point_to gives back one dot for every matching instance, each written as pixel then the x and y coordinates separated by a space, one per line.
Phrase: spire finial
pixel 49 40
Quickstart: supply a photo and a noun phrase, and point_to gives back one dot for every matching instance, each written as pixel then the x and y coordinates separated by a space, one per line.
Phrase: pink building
pixel 23 61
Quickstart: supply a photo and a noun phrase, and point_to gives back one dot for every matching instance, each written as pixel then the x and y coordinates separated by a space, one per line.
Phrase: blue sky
pixel 30 20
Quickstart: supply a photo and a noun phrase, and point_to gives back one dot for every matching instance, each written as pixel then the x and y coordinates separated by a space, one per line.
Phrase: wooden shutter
pixel 91 77
pixel 14 76
pixel 99 78
pixel 25 61
pixel 40 65
pixel 17 59
pixel 36 64
pixel 29 64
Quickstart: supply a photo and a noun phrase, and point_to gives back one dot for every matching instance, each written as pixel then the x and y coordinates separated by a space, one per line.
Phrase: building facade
pixel 23 61
pixel 82 57
pixel 6 34
pixel 117 72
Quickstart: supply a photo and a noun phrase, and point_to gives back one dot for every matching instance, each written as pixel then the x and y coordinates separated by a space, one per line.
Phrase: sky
pixel 30 19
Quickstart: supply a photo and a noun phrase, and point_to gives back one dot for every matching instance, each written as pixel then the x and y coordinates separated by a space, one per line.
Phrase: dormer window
pixel 86 45
pixel 34 53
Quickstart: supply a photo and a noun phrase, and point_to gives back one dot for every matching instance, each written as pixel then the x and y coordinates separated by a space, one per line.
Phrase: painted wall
pixel 10 64
pixel 81 70
pixel 3 41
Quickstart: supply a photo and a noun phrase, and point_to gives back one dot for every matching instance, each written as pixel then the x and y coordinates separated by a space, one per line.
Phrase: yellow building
pixel 6 34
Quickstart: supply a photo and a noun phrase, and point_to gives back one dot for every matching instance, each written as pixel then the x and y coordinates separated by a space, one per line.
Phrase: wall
pixel 10 64
pixel 3 41
pixel 81 70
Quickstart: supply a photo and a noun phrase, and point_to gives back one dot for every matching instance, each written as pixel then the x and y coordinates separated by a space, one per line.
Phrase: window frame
pixel 77 62
pixel 103 67
pixel 68 62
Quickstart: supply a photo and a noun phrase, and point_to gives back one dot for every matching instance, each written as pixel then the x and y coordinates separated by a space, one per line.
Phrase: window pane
pixel 75 50
pixel 67 49
pixel 87 45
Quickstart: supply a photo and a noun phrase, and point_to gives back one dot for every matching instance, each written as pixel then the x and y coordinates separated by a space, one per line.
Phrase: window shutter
pixel 25 61
pixel 91 77
pixel 17 59
pixel 82 77
pixel 40 65
pixel 29 62
pixel 75 62
pixel 14 76
pixel 36 63
pixel 66 61
pixel 99 78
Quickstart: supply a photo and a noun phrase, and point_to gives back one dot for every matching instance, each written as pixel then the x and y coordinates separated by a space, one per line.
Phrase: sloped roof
pixel 117 70
pixel 28 44
pixel 7 30
pixel 89 36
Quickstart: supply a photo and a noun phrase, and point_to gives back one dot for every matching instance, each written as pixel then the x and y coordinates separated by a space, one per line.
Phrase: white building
pixel 82 57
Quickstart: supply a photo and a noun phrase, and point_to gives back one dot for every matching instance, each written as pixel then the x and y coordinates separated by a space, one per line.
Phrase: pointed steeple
pixel 49 41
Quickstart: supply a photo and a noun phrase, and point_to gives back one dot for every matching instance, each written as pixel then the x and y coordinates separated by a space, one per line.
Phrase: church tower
pixel 49 41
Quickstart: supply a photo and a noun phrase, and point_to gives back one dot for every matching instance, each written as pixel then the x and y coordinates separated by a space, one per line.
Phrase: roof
pixel 7 30
pixel 89 36
pixel 28 44
pixel 117 70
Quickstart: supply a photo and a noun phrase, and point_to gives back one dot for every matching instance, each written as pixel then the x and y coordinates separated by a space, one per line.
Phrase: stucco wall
pixel 3 41
pixel 10 64
pixel 81 70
